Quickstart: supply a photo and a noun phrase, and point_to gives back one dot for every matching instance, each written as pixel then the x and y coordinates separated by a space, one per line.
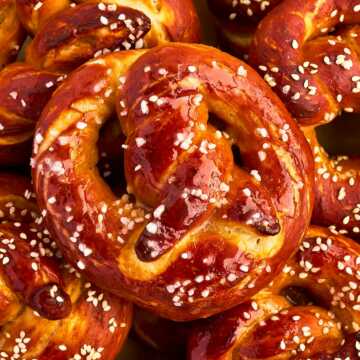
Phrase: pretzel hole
pixel 111 156
pixel 299 296
pixel 341 136
pixel 220 125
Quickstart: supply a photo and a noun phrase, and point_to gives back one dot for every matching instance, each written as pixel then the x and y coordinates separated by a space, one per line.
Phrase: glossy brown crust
pixel 32 13
pixel 318 79
pixel 46 310
pixel 24 91
pixel 96 27
pixel 204 234
pixel 270 327
pixel 11 32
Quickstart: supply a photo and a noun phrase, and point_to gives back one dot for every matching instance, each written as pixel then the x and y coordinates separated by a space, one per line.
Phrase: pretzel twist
pixel 317 79
pixel 271 327
pixel 203 234
pixel 77 33
pixel 36 285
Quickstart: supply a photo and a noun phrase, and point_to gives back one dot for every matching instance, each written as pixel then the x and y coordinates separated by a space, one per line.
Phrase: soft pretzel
pixel 11 32
pixel 272 327
pixel 46 310
pixel 74 35
pixel 317 78
pixel 24 91
pixel 237 20
pixel 202 235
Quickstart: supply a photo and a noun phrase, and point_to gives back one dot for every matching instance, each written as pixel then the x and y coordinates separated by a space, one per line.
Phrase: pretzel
pixel 24 91
pixel 46 310
pixel 272 327
pixel 202 235
pixel 11 32
pixel 318 78
pixel 74 35
pixel 237 20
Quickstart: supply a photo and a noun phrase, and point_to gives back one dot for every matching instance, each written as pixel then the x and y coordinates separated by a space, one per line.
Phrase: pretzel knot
pixel 196 234
pixel 37 287
pixel 278 324
pixel 318 79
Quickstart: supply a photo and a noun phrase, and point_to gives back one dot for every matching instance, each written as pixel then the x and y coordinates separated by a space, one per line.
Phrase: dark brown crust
pixel 34 278
pixel 122 260
pixel 269 327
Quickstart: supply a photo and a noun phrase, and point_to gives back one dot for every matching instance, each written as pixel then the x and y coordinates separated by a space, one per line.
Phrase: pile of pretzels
pixel 155 187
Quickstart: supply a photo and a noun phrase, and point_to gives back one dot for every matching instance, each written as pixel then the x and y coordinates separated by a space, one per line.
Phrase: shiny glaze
pixel 11 32
pixel 188 258
pixel 270 327
pixel 37 286
pixel 24 91
pixel 91 28
pixel 330 64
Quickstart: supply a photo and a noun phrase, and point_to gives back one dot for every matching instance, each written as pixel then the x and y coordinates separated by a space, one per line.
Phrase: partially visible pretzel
pixel 46 310
pixel 203 234
pixel 237 20
pixel 72 36
pixel 318 76
pixel 66 36
pixel 11 32
pixel 270 327
pixel 24 91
